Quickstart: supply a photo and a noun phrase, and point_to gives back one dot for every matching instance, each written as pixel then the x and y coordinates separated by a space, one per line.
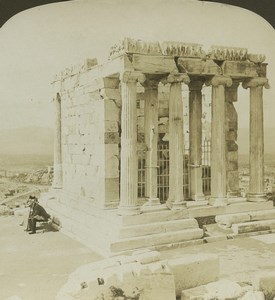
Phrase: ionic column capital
pixel 256 82
pixel 151 84
pixel 219 80
pixel 132 76
pixel 177 78
pixel 195 85
pixel 234 86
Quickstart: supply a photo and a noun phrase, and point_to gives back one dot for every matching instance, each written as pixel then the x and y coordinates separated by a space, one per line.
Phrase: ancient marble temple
pixel 109 114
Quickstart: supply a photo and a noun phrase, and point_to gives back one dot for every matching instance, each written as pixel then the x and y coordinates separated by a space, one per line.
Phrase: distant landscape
pixel 31 148
pixel 26 149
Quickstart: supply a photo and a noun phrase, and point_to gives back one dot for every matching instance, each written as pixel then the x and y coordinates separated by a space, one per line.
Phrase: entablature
pixel 163 58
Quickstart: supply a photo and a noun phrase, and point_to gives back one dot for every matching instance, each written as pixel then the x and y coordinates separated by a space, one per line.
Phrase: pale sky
pixel 38 43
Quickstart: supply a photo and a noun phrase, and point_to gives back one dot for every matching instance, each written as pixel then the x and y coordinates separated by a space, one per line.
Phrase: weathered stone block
pixel 111 190
pixel 266 284
pixel 253 295
pixel 233 181
pixel 140 138
pixel 231 135
pixel 198 66
pixel 232 165
pixel 231 146
pixel 194 270
pixel 111 126
pixel 108 93
pixel 232 156
pixel 114 281
pixel 228 220
pixel 163 112
pixel 239 69
pixel 253 226
pixel 112 167
pixel 223 289
pixel 111 110
pixel 140 124
pixel 111 150
pixel 111 138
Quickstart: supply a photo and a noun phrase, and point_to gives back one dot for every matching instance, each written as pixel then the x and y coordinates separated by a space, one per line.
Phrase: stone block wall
pixel 90 138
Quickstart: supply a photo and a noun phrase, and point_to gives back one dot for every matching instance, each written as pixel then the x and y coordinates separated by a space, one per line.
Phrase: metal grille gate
pixel 163 171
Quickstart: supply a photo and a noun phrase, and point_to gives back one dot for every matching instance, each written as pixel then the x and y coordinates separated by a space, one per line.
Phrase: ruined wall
pixel 90 138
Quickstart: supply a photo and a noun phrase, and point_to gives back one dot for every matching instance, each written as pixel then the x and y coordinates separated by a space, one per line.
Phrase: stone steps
pixel 228 220
pixel 157 227
pixel 253 226
pixel 232 208
pixel 156 239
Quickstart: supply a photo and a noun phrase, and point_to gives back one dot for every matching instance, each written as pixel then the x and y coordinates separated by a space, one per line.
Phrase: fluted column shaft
pixel 129 167
pixel 151 140
pixel 218 142
pixel 195 139
pixel 176 141
pixel 57 179
pixel 256 138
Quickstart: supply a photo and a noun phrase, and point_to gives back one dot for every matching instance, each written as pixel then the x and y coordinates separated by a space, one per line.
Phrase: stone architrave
pixel 151 140
pixel 176 141
pixel 57 178
pixel 129 167
pixel 195 139
pixel 218 142
pixel 231 115
pixel 256 138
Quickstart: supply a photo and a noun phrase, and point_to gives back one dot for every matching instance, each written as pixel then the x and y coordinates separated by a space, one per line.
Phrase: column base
pixel 218 201
pixel 152 208
pixel 256 197
pixel 152 204
pixel 176 205
pixel 128 210
pixel 197 197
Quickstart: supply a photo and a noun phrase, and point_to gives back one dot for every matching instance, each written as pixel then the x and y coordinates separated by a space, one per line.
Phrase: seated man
pixel 37 213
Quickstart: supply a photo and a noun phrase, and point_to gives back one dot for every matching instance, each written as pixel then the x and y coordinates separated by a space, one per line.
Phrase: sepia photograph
pixel 137 157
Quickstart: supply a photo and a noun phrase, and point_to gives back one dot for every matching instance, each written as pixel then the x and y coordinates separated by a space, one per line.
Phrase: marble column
pixel 195 139
pixel 176 141
pixel 218 141
pixel 57 178
pixel 151 140
pixel 231 115
pixel 256 138
pixel 129 160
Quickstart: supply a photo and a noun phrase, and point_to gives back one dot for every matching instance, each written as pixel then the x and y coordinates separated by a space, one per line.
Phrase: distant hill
pixel 26 141
pixel 243 140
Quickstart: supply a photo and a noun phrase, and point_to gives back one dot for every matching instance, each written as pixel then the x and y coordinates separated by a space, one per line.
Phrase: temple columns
pixel 218 145
pixel 129 168
pixel 256 137
pixel 231 116
pixel 151 141
pixel 195 139
pixel 176 141
pixel 57 178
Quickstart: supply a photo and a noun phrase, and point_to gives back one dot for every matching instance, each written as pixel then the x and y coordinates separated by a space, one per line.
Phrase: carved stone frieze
pixel 228 53
pixel 256 58
pixel 182 49
pixel 135 46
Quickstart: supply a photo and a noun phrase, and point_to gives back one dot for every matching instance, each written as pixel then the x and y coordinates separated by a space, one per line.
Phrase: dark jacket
pixel 38 210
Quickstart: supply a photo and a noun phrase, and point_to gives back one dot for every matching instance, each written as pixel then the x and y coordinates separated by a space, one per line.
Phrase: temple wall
pixel 90 140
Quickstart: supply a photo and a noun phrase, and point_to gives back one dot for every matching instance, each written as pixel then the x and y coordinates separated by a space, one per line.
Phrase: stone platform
pixel 110 234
